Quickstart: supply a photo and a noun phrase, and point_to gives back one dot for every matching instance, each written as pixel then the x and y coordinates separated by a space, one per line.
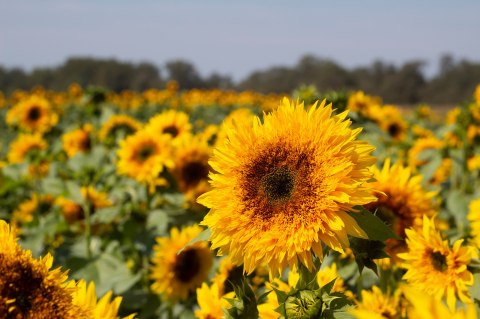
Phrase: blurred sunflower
pixel 420 145
pixel 391 121
pixel 27 209
pixel 474 219
pixel 176 275
pixel 452 115
pixel 85 298
pixel 267 310
pixel 142 156
pixel 442 173
pixel 25 145
pixel 172 123
pixel 28 287
pixel 34 114
pixel 211 302
pixel 402 201
pixel 120 125
pixel 378 305
pixel 191 167
pixel 71 211
pixel 359 102
pixel 473 163
pixel 242 115
pixel 284 187
pixel 96 198
pixel 436 268
pixel 424 306
pixel 79 140
pixel 228 275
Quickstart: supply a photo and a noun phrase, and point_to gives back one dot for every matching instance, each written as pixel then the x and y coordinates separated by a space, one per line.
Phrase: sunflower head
pixel 402 201
pixel 143 156
pixel 28 287
pixel 177 274
pixel 435 267
pixel 283 187
pixel 24 147
pixel 34 114
pixel 79 140
pixel 171 123
pixel 118 125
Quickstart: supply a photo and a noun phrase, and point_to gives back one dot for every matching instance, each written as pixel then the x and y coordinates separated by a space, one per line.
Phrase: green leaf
pixel 74 192
pixel 158 221
pixel 373 226
pixel 203 236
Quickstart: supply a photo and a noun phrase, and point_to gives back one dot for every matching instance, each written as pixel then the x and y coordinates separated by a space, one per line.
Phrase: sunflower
pixel 284 186
pixel 391 121
pixel 442 173
pixel 71 211
pixel 95 198
pixel 473 163
pixel 377 305
pixel 436 268
pixel 78 140
pixel 424 306
pixel 27 209
pixel 267 310
pixel 402 201
pixel 474 219
pixel 361 103
pixel 177 274
pixel 191 167
pixel 25 145
pixel 142 156
pixel 420 145
pixel 211 302
pixel 34 114
pixel 228 275
pixel 85 297
pixel 172 123
pixel 118 125
pixel 240 115
pixel 28 287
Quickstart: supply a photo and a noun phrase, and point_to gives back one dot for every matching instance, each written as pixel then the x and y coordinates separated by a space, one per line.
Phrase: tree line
pixel 405 84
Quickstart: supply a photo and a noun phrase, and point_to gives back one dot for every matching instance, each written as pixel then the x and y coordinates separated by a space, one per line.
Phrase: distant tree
pixel 184 73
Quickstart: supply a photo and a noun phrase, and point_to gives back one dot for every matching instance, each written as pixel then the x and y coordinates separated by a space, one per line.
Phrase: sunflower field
pixel 221 204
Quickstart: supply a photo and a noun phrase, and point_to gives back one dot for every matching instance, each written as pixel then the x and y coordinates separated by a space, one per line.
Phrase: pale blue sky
pixel 235 38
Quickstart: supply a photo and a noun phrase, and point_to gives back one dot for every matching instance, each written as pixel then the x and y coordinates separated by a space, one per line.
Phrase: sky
pixel 236 37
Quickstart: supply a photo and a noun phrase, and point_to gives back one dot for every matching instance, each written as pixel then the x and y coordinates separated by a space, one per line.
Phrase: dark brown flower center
pixel 278 185
pixel 34 114
pixel 172 130
pixel 187 265
pixel 393 130
pixel 21 284
pixel 145 152
pixel 439 261
pixel 194 172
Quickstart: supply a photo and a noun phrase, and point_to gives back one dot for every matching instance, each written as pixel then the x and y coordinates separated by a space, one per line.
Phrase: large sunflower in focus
pixel 28 287
pixel 284 187
pixel 142 156
pixel 34 114
pixel 436 268
pixel 175 274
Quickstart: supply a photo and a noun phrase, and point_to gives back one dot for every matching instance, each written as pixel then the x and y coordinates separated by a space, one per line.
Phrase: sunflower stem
pixel 359 284
pixel 88 229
